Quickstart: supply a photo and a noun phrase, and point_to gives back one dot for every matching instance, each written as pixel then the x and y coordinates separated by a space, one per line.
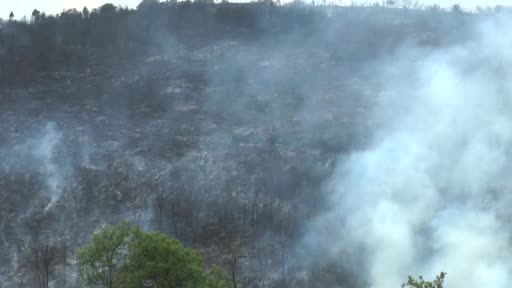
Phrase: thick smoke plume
pixel 431 193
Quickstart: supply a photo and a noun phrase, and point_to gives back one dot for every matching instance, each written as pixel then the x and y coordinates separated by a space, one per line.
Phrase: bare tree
pixel 160 200
pixel 73 190
pixel 237 251
pixel 204 165
pixel 44 258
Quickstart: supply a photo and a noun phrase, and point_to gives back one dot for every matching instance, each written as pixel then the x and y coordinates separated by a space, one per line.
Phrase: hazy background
pixel 25 7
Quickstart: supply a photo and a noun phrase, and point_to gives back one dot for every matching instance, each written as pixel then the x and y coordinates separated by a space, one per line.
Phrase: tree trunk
pixel 233 269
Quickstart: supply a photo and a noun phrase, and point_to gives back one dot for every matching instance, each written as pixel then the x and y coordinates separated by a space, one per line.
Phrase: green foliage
pixel 99 262
pixel 159 261
pixel 125 256
pixel 421 283
pixel 217 278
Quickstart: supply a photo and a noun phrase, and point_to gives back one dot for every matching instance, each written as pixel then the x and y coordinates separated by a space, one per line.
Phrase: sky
pixel 25 7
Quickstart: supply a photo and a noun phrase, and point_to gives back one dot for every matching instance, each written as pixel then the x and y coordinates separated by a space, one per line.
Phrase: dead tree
pixel 237 251
pixel 44 259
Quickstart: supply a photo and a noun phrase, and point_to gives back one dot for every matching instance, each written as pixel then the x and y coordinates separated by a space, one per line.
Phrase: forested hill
pixel 216 124
pixel 75 41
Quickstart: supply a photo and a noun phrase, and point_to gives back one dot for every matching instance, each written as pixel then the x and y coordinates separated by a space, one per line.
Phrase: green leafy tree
pixel 217 278
pixel 421 283
pixel 156 260
pixel 100 262
pixel 125 256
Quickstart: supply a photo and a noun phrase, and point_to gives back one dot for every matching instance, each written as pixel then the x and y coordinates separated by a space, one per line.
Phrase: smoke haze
pixel 431 193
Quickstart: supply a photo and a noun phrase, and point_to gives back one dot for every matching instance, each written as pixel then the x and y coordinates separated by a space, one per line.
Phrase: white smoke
pixel 432 193
pixel 41 152
pixel 45 150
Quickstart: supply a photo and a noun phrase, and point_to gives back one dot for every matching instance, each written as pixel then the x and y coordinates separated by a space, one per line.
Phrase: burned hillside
pixel 216 124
